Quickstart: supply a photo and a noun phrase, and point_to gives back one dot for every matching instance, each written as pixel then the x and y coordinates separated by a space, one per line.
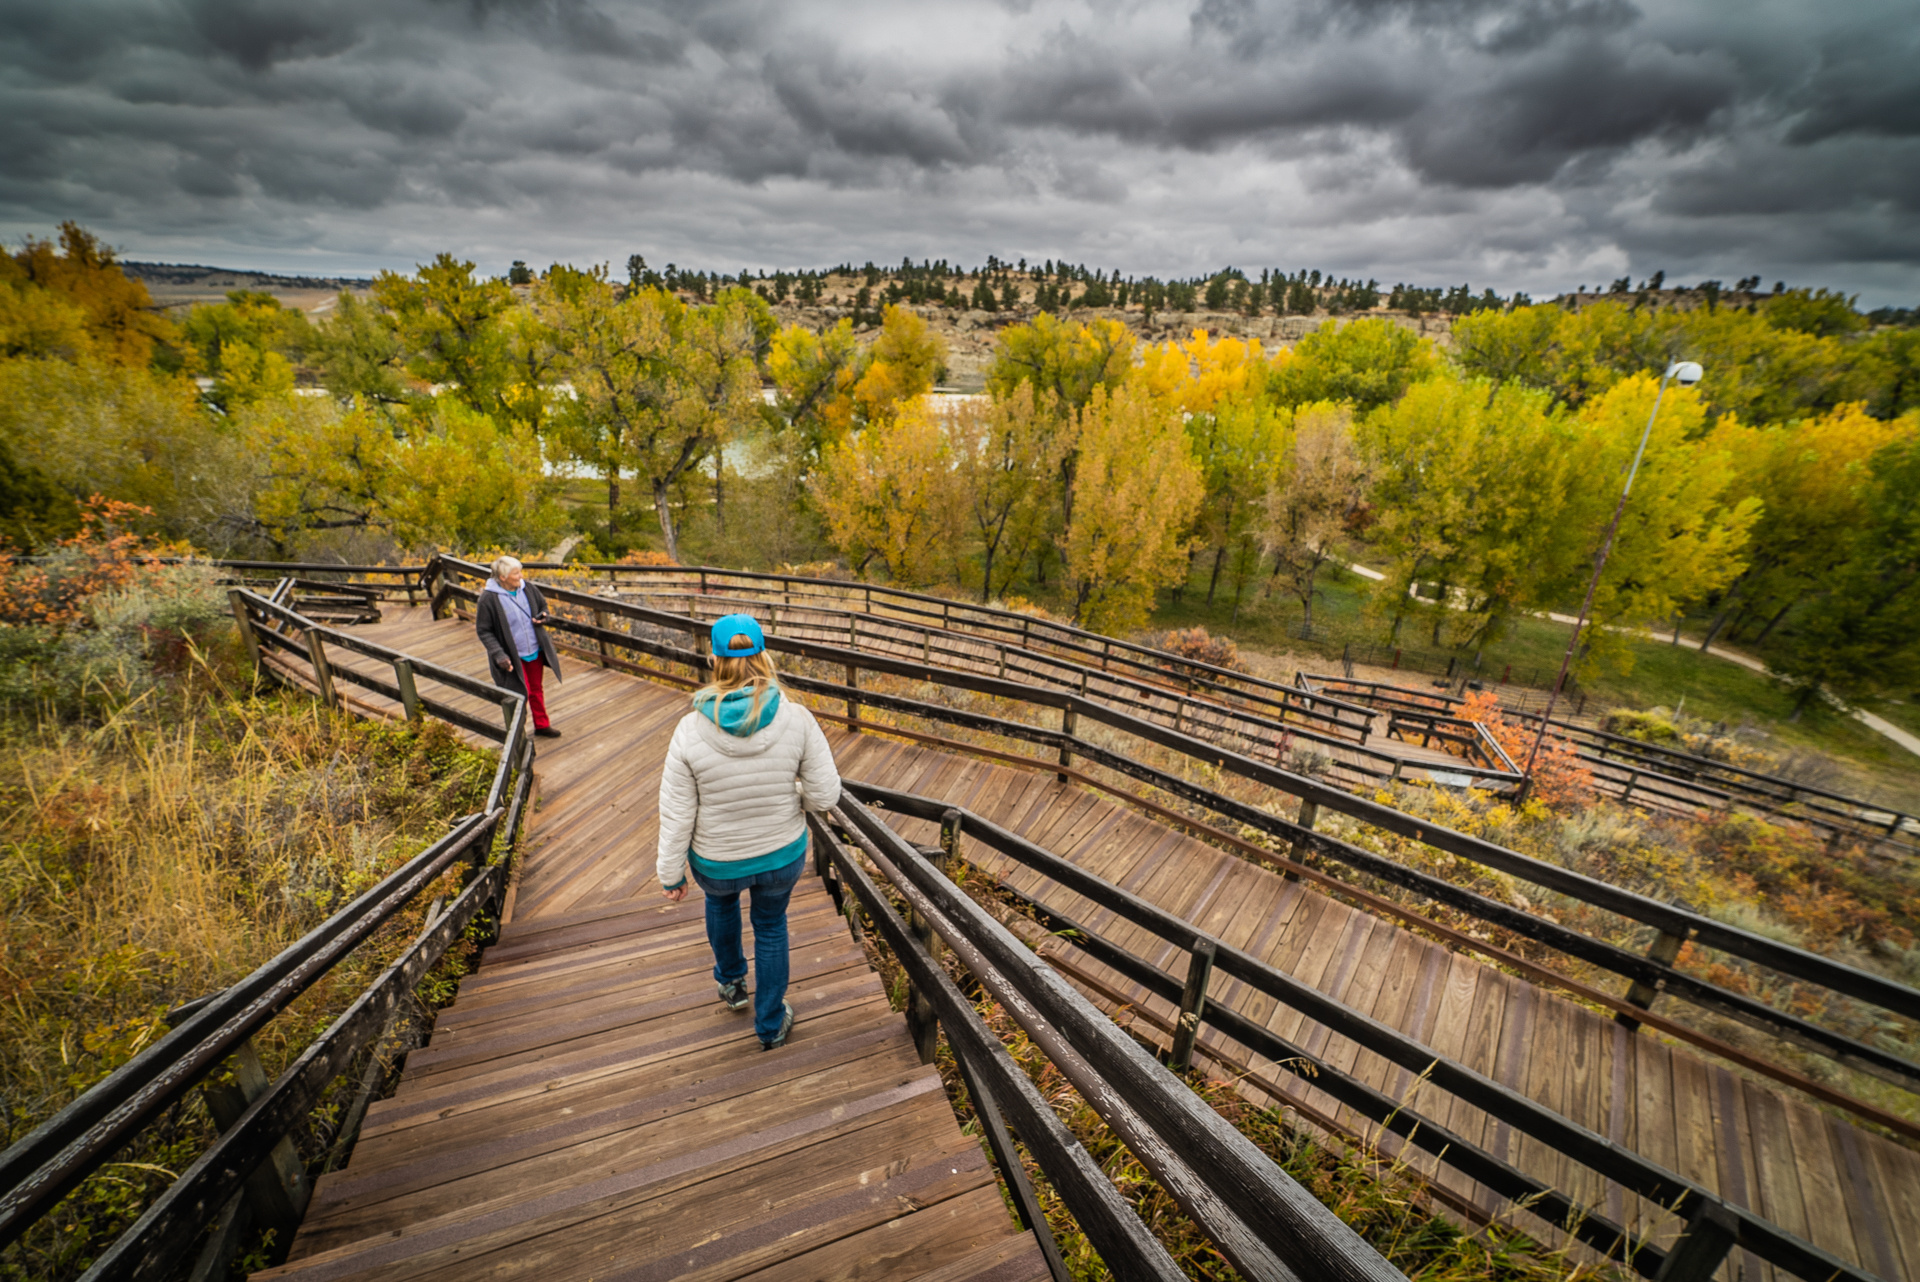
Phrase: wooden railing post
pixel 1666 947
pixel 1308 816
pixel 277 1192
pixel 1069 719
pixel 1193 1005
pixel 322 674
pixel 950 822
pixel 1709 1235
pixel 409 693
pixel 922 1024
pixel 853 704
pixel 244 622
pixel 600 621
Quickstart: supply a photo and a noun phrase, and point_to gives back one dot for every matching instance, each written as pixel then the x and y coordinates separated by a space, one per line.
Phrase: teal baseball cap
pixel 738 636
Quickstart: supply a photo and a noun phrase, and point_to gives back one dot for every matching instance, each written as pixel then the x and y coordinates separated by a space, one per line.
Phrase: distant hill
pixel 178 286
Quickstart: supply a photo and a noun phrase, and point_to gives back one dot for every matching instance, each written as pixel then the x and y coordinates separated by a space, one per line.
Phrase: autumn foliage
pixel 52 592
pixel 1559 779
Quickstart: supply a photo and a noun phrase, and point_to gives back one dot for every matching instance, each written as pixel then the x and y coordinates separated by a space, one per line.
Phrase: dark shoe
pixel 786 1026
pixel 545 732
pixel 735 995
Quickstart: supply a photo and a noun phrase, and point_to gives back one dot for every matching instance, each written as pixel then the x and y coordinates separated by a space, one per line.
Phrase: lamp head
pixel 1685 373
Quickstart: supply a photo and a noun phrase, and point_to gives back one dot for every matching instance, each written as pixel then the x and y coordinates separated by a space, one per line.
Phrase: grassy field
pixel 1658 674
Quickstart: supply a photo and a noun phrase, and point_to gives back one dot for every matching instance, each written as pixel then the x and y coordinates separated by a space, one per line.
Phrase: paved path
pixel 1879 725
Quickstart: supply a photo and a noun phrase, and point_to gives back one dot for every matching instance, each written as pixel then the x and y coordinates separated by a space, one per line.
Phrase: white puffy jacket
pixel 734 799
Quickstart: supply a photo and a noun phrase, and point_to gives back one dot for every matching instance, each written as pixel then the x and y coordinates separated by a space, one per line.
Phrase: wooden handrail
pixel 1261 1219
pixel 1612 1161
pixel 1825 972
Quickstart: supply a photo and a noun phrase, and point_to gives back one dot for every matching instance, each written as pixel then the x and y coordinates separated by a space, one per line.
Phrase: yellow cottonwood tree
pixel 1005 454
pixel 889 493
pixel 1809 476
pixel 1684 533
pixel 905 361
pixel 657 385
pixel 1319 482
pixel 1137 489
pixel 449 477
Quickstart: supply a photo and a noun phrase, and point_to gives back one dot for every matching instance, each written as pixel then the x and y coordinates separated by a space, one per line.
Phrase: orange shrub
pixel 52 591
pixel 1558 777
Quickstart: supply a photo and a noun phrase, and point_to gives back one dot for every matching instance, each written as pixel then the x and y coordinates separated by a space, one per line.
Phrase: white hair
pixel 502 564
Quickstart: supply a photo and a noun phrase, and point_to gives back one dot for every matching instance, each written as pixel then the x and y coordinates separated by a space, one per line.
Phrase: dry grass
pixel 164 851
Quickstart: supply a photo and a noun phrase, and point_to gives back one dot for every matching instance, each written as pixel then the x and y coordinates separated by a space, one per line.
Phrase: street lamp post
pixel 1686 373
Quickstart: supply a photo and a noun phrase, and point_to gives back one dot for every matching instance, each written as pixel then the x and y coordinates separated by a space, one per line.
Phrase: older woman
pixel 511 619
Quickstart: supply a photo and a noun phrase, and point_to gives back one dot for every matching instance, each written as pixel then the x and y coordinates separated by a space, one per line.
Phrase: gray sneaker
pixel 786 1026
pixel 735 995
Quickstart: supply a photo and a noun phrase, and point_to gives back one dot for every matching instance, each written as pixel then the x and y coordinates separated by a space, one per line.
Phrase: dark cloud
pixel 1522 143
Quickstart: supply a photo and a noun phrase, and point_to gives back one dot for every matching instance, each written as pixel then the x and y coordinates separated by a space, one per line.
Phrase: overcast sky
pixel 1531 144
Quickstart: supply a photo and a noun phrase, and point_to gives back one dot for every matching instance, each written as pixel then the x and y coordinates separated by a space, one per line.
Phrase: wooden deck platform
pixel 1843 1188
pixel 587 1108
pixel 1846 1189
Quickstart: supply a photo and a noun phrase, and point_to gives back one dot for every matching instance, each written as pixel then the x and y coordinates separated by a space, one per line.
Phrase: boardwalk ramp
pixel 586 1101
pixel 586 1108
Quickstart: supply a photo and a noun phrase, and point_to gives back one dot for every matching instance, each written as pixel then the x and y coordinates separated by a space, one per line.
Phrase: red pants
pixel 531 671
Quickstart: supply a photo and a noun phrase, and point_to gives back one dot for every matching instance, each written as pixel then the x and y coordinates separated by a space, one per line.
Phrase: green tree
pixel 1005 455
pixel 813 377
pixel 449 325
pixel 447 477
pixel 1470 486
pixel 1065 361
pixel 130 433
pixel 1864 634
pixel 1810 477
pixel 1240 447
pixel 1366 363
pixel 360 355
pixel 1821 312
pixel 1685 529
pixel 657 385
pixel 33 510
pixel 1320 483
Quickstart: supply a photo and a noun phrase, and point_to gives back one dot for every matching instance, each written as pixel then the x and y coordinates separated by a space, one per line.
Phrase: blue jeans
pixel 767 909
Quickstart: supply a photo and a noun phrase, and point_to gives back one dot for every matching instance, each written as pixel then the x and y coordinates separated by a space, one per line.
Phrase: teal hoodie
pixel 733 709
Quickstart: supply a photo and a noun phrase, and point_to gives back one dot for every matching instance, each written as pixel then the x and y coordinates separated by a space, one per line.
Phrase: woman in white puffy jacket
pixel 741 769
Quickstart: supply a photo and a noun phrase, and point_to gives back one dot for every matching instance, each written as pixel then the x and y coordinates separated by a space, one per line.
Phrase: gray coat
pixel 490 622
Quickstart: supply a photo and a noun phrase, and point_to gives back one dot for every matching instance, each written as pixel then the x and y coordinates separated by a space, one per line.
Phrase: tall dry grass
pixel 161 850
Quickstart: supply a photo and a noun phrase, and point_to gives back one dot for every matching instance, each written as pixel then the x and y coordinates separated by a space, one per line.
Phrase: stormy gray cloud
pixel 1532 144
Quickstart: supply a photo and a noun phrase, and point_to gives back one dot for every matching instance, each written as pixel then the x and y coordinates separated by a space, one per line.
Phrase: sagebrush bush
pixel 1202 647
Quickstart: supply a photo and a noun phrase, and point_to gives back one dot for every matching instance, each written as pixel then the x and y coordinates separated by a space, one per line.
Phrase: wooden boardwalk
pixel 1843 1188
pixel 587 1108
pixel 1816 1175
